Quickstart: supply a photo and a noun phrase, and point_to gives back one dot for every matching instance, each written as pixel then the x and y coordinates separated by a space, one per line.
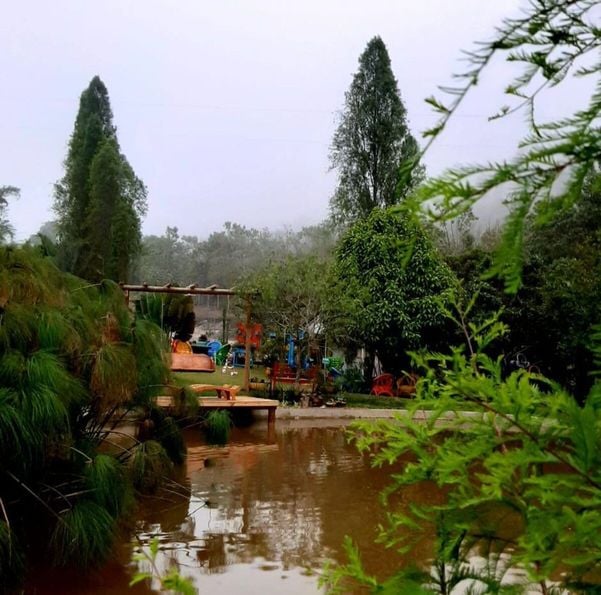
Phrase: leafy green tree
pixel 372 149
pixel 559 300
pixel 174 313
pixel 470 267
pixel 112 225
pixel 456 236
pixel 393 284
pixel 99 200
pixel 291 300
pixel 232 253
pixel 227 256
pixel 48 232
pixel 171 258
pixel 551 315
pixel 6 229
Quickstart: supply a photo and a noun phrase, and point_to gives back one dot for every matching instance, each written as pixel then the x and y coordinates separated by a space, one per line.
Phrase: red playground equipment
pixel 256 334
pixel 384 385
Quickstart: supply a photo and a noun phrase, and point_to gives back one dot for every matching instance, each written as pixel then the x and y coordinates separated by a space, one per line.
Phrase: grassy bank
pixel 218 378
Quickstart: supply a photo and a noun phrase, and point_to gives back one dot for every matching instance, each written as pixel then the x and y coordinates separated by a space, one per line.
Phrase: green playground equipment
pixel 333 362
pixel 221 355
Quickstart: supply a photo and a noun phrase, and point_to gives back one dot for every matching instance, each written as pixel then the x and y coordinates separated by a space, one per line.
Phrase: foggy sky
pixel 226 109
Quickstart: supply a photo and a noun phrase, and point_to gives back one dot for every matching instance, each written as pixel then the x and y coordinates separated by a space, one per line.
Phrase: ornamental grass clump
pixel 218 425
pixel 73 363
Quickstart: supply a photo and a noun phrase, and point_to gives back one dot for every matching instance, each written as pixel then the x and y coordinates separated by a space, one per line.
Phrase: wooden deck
pixel 239 402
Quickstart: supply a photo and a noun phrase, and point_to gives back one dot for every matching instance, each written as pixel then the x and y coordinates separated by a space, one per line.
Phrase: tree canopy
pixel 291 299
pixel 99 200
pixel 394 284
pixel 227 256
pixel 372 149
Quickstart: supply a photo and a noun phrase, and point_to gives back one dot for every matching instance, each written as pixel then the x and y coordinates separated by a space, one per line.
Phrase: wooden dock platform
pixel 239 402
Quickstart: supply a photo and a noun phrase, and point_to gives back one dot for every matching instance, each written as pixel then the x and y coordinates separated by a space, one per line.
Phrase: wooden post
pixel 271 437
pixel 248 309
pixel 271 416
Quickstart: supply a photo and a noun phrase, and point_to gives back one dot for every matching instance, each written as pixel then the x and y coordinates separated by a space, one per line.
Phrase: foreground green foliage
pixel 554 41
pixel 519 478
pixel 73 363
pixel 171 581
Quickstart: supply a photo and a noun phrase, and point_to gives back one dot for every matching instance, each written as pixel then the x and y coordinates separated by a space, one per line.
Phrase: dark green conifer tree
pixel 372 149
pixel 99 200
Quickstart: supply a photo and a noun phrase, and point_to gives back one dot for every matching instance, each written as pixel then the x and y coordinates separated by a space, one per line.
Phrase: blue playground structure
pixel 238 355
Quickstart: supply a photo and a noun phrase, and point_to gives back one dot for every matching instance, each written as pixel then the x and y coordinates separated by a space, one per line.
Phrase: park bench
pixel 284 374
pixel 225 391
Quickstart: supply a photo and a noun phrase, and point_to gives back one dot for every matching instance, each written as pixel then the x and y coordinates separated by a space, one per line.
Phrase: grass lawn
pixel 217 377
pixel 353 400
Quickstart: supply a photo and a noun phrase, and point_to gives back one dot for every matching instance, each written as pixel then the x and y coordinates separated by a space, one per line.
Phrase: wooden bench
pixel 225 391
pixel 284 374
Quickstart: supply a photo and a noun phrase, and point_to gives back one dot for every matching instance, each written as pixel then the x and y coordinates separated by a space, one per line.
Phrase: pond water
pixel 260 515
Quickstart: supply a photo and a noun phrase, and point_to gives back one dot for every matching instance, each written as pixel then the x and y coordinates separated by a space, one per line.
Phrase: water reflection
pixel 265 512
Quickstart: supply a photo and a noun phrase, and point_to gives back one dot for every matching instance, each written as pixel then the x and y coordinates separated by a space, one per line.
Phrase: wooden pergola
pixel 195 290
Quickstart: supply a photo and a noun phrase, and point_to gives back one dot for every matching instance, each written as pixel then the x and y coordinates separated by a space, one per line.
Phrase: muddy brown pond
pixel 260 515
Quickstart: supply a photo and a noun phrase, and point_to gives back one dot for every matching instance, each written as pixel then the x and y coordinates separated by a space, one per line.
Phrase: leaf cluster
pixel 553 41
pixel 393 284
pixel 517 461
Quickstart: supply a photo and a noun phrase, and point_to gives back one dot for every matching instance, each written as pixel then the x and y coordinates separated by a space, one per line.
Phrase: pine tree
pixel 372 149
pixel 99 200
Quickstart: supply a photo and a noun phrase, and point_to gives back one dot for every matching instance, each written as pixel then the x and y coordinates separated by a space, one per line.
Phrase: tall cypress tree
pixel 99 200
pixel 372 149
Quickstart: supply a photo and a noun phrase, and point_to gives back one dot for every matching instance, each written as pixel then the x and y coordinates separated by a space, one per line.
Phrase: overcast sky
pixel 226 109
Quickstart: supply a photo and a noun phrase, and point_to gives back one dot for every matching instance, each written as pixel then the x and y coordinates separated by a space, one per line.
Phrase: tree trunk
pixel 298 358
pixel 368 367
